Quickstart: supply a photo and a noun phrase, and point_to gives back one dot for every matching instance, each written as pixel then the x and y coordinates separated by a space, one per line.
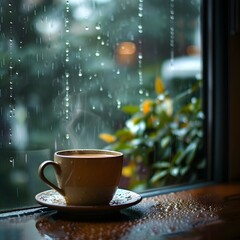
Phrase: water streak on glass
pixel 140 54
pixel 80 74
pixel 98 28
pixel 67 53
pixel 11 84
pixel 172 33
pixel 26 158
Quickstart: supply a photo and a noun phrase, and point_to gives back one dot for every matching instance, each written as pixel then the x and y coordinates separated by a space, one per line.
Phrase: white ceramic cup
pixel 85 176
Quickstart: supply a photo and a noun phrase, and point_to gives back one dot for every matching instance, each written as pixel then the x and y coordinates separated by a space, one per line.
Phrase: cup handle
pixel 42 176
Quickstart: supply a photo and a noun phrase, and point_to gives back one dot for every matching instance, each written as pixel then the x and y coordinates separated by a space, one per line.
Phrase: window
pixel 126 75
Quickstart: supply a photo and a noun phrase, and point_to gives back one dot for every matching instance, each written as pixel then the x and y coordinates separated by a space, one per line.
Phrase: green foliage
pixel 163 143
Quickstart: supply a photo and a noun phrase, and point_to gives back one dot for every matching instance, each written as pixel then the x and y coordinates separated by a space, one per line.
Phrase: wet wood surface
pixel 211 212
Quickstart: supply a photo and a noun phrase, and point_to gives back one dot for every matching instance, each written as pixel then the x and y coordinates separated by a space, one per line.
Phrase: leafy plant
pixel 162 142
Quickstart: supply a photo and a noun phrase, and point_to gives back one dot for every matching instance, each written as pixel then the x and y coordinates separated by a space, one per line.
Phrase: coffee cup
pixel 85 176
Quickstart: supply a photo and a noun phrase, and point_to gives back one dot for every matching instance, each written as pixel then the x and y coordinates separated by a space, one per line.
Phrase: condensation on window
pixel 123 75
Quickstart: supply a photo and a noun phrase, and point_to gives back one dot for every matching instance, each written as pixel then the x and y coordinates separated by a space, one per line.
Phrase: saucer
pixel 122 199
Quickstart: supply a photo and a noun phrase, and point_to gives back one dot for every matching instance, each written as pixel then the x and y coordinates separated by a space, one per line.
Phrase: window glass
pixel 123 75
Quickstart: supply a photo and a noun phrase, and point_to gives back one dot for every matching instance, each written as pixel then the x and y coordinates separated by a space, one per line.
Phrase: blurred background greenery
pixel 68 68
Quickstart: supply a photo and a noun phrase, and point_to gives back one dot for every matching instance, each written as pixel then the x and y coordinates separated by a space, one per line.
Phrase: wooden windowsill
pixel 211 212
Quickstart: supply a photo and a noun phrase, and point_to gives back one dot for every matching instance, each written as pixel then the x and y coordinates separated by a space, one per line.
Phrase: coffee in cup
pixel 85 176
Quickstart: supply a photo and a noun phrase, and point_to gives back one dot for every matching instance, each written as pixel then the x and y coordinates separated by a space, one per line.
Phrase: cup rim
pixel 65 153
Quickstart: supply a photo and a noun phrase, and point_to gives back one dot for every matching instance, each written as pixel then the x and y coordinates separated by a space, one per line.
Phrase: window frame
pixel 222 78
pixel 215 37
pixel 217 23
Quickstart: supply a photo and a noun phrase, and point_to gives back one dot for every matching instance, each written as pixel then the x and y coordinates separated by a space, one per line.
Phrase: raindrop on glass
pixel 98 27
pixel 67 74
pixel 80 73
pixel 97 54
pixel 12 161
pixel 118 104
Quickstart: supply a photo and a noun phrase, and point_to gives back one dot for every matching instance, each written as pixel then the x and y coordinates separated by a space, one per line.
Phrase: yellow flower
pixel 128 170
pixel 159 86
pixel 107 137
pixel 147 106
